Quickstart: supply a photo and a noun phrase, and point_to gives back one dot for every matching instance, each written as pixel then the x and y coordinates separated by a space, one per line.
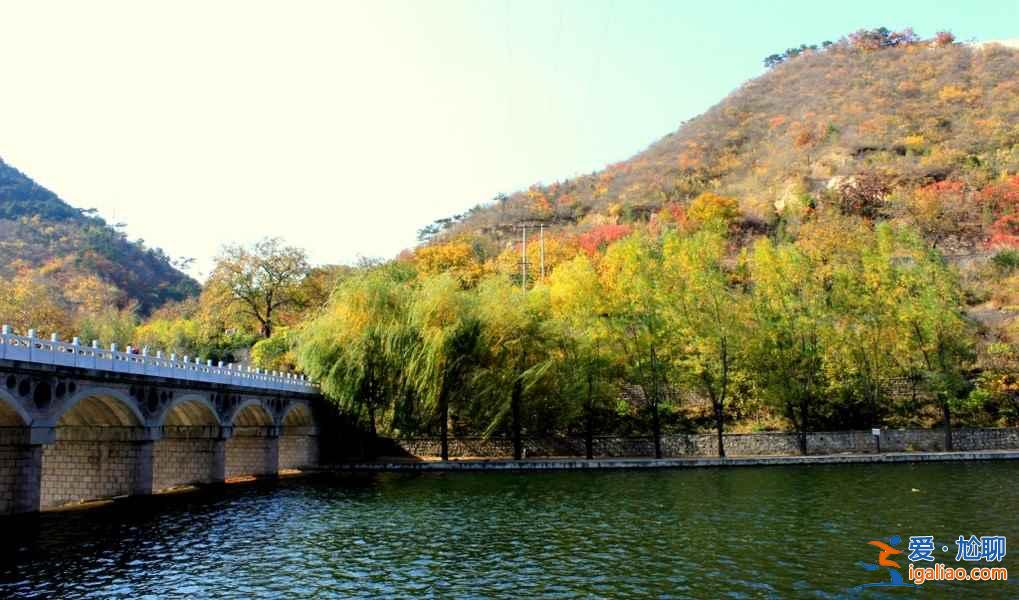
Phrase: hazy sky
pixel 346 126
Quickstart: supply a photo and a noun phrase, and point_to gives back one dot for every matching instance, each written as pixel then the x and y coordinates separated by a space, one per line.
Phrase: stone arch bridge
pixel 82 423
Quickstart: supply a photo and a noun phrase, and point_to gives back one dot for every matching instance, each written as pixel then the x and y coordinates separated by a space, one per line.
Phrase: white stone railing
pixel 72 354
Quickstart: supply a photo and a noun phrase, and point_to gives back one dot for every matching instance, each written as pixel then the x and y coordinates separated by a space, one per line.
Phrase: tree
pixel 598 238
pixel 630 275
pixel 942 210
pixel 353 349
pixel 864 194
pixel 944 38
pixel 515 340
pixel 707 309
pixel 29 301
pixel 936 334
pixel 790 306
pixel 439 353
pixel 714 210
pixel 261 280
pixel 865 353
pixel 457 257
pixel 997 387
pixel 582 352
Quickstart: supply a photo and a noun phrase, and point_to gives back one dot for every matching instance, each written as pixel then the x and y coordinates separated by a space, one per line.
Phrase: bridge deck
pixel 73 354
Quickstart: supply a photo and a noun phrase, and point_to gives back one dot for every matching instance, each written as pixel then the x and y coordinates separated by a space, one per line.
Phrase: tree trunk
pixel 267 324
pixel 804 403
pixel 656 419
pixel 518 448
pixel 444 424
pixel 373 445
pixel 948 424
pixel 720 424
pixel 656 427
pixel 589 422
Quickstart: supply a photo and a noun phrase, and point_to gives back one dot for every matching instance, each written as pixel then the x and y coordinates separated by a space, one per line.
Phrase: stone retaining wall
pixel 739 444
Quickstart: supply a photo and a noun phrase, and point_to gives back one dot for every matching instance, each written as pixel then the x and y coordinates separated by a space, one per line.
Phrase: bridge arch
pixel 189 410
pixel 298 445
pixel 103 407
pixel 253 449
pixel 101 449
pixel 298 414
pixel 12 413
pixel 188 452
pixel 251 413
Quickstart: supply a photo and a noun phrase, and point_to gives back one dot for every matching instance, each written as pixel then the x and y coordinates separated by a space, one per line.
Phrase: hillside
pixel 916 130
pixel 48 247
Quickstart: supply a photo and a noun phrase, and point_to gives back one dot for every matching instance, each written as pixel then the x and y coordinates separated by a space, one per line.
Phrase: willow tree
pixel 440 354
pixel 352 348
pixel 515 340
pixel 581 348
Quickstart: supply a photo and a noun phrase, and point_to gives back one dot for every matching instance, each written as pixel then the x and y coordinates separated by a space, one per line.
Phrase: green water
pixel 772 532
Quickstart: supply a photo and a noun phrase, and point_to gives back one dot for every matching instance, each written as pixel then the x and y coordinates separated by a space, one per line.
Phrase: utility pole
pixel 523 258
pixel 541 231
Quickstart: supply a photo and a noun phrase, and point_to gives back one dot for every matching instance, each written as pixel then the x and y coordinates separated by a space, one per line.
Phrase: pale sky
pixel 344 127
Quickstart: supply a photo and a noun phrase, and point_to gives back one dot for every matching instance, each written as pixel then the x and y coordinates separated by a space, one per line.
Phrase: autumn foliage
pixel 599 237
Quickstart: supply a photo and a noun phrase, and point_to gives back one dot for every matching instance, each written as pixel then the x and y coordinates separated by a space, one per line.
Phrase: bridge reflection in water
pixel 82 423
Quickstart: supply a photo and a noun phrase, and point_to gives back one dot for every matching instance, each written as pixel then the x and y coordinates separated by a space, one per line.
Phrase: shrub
pixel 1003 197
pixel 1005 232
pixel 712 208
pixel 1006 261
pixel 600 237
pixel 863 194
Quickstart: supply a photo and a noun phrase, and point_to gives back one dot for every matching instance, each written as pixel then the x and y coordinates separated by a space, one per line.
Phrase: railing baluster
pixel 53 351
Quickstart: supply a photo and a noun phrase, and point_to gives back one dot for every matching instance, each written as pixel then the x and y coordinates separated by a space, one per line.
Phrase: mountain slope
pixel 824 126
pixel 43 237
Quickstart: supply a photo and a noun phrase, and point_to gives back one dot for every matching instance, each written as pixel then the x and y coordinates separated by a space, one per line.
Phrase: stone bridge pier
pixel 73 429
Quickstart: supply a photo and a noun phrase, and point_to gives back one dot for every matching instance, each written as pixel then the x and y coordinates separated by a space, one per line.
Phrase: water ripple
pixel 774 532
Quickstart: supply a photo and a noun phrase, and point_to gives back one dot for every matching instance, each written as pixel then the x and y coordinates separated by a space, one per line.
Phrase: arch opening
pixel 99 411
pixel 96 454
pixel 298 443
pixel 190 413
pixel 252 415
pixel 9 416
pixel 299 415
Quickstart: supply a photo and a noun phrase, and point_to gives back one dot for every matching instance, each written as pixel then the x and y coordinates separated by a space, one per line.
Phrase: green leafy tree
pixel 937 336
pixel 635 314
pixel 582 351
pixel 440 352
pixel 708 309
pixel 516 339
pixel 351 349
pixel 863 356
pixel 260 281
pixel 791 319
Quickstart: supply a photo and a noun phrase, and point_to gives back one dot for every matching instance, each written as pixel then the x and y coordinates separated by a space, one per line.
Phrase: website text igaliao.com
pixel 943 572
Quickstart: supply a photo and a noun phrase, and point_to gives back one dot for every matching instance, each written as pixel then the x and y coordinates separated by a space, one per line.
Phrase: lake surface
pixel 771 532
